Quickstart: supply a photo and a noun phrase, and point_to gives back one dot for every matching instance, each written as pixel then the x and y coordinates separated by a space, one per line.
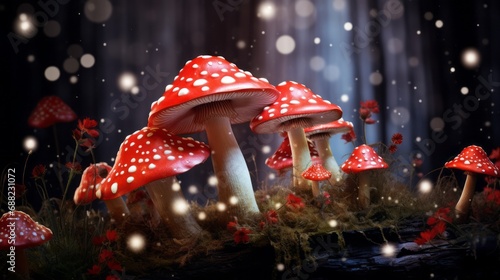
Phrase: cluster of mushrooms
pixel 210 94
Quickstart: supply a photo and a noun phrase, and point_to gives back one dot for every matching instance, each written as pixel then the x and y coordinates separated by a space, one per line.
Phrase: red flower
pixel 417 162
pixel 425 237
pixel 39 171
pixel 438 223
pixel 232 226
pixel 442 214
pixel 112 277
pixel 262 224
pixel 370 105
pixel 95 270
pixel 20 189
pixel 76 166
pixel 111 235
pixel 105 255
pixel 241 235
pixel 88 125
pixel 495 154
pixel 397 138
pixel 349 136
pixel 366 109
pixel 98 240
pixel 271 217
pixel 393 148
pixel 114 265
pixel 294 203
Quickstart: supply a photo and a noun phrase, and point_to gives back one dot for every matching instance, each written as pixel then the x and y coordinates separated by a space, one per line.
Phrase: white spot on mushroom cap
pixel 227 80
pixel 183 91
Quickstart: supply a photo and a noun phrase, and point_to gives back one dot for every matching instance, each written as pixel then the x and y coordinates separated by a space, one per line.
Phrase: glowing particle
pixel 180 206
pixel 176 187
pixel 202 216
pixel 344 98
pixel 471 58
pixel 266 10
pixel 221 206
pixel 425 186
pixel 348 26
pixel 212 181
pixel 52 73
pixel 333 223
pixel 233 200
pixel 285 44
pixel 388 250
pixel 87 60
pixel 464 90
pixel 439 23
pixel 30 143
pixel 136 242
pixel 126 81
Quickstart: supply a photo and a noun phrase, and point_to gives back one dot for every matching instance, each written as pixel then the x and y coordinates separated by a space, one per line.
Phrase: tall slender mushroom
pixel 321 135
pixel 362 160
pixel 85 192
pixel 210 94
pixel 296 108
pixel 47 112
pixel 19 231
pixel 152 157
pixel 474 161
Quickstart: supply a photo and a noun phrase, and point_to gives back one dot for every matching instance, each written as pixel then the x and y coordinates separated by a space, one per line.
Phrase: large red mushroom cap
pixel 282 157
pixel 28 233
pixel 295 101
pixel 363 158
pixel 50 110
pixel 148 155
pixel 474 159
pixel 91 179
pixel 210 80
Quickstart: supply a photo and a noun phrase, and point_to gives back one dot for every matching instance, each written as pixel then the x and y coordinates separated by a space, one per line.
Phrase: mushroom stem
pixel 172 208
pixel 315 188
pixel 117 209
pixel 22 266
pixel 230 168
pixel 465 200
pixel 301 156
pixel 327 158
pixel 364 189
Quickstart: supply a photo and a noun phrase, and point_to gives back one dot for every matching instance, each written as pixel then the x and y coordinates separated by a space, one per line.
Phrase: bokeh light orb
pixel 471 58
pixel 136 242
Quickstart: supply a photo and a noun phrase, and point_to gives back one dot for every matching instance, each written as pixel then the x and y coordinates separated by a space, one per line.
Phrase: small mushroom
pixel 321 135
pixel 316 173
pixel 85 193
pixel 474 161
pixel 297 108
pixel 152 157
pixel 282 160
pixel 210 94
pixel 19 231
pixel 362 160
pixel 49 111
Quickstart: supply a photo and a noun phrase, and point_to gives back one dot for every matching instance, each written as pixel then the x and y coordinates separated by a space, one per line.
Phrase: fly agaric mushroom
pixel 296 108
pixel 321 134
pixel 282 160
pixel 316 173
pixel 211 94
pixel 152 157
pixel 474 161
pixel 362 160
pixel 19 231
pixel 47 112
pixel 85 193
pixel 50 110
